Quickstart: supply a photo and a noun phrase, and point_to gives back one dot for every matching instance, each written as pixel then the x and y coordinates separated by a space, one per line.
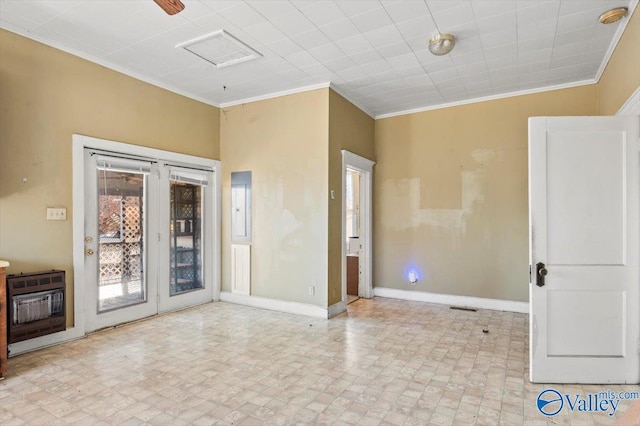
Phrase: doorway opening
pixel 146 231
pixel 353 221
pixel 357 188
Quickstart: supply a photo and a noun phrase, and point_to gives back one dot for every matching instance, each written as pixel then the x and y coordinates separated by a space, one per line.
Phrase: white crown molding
pixel 616 39
pixel 449 299
pixel 354 103
pixel 618 35
pixel 276 94
pixel 632 105
pixel 275 305
pixel 105 64
pixel 489 98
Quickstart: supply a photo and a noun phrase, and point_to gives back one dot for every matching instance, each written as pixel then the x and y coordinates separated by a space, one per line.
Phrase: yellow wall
pixel 47 95
pixel 621 77
pixel 283 142
pixel 352 130
pixel 450 194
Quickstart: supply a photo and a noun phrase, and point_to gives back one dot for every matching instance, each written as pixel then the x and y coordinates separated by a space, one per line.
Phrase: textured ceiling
pixel 373 52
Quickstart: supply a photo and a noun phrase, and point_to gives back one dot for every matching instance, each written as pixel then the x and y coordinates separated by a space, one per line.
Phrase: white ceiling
pixel 373 52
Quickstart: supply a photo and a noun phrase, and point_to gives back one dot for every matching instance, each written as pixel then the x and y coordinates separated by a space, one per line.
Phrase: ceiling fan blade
pixel 170 6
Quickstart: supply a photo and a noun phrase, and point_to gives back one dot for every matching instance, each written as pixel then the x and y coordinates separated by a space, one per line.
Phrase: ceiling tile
pixel 323 12
pixel 340 64
pixel 401 11
pixel 301 59
pixel 422 26
pixel 454 16
pixel 538 11
pixel 486 8
pixel 529 31
pixel 394 49
pixel 353 45
pixel 357 7
pixel 271 9
pixel 266 32
pixel 241 15
pixel 498 23
pixel 327 52
pixel 366 57
pixel 293 23
pixel 284 47
pixel 383 36
pixel 340 30
pixel 536 44
pixel 500 38
pixel 403 61
pixel 311 39
pixel 371 20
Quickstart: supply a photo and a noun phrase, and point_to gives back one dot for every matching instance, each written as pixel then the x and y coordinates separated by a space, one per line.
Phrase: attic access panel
pixel 220 49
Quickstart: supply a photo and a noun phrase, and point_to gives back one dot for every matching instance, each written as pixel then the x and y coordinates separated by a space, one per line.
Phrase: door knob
pixel 541 272
pixel 88 240
pixel 89 252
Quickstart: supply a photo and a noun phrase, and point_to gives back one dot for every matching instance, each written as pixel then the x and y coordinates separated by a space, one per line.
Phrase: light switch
pixel 56 213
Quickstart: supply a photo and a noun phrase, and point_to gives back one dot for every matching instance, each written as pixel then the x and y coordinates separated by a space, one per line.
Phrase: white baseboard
pixel 449 299
pixel 275 304
pixel 336 309
pixel 41 342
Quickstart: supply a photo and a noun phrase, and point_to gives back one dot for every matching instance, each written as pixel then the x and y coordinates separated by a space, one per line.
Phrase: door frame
pixel 79 144
pixel 363 166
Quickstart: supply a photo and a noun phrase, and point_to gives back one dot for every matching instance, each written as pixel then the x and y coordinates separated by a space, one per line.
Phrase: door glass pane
pixel 186 237
pixel 120 225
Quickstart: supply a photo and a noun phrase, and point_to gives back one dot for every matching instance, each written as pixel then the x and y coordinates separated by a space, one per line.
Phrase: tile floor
pixel 384 362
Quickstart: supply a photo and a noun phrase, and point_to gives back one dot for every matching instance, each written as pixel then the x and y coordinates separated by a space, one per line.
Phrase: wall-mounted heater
pixel 36 305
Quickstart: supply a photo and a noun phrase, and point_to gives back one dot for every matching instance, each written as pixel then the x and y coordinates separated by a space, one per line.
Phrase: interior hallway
pixel 384 362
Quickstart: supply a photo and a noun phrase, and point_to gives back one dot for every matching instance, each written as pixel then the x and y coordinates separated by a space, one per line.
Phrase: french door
pixel 148 237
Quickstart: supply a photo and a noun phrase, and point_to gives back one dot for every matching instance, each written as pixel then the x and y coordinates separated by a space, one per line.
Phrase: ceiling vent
pixel 221 49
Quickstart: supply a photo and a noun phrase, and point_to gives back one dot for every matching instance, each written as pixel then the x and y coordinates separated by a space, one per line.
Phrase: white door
pixel 120 256
pixel 186 245
pixel 149 237
pixel 584 235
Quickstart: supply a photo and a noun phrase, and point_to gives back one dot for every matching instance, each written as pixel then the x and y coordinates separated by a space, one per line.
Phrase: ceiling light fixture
pixel 440 44
pixel 613 15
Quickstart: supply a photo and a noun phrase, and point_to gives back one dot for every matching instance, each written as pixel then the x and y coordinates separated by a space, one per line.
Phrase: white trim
pixel 488 98
pixel 365 167
pixel 450 299
pixel 294 91
pixel 616 39
pixel 278 305
pixel 79 144
pixel 106 64
pixel 362 108
pixel 72 333
pixel 632 105
pixel 336 309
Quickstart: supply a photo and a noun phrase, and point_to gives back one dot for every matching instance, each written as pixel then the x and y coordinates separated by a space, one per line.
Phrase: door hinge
pixel 158 236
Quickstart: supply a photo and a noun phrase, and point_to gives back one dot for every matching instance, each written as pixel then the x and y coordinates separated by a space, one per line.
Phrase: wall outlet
pixel 312 290
pixel 56 213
